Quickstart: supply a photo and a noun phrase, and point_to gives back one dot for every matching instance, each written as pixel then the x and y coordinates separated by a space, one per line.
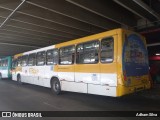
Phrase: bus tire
pixel 0 76
pixel 19 79
pixel 55 86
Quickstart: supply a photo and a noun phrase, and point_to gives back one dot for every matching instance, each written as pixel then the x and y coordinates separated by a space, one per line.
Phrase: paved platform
pixel 26 97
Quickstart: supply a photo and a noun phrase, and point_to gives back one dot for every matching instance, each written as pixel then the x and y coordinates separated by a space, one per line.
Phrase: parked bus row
pixel 112 63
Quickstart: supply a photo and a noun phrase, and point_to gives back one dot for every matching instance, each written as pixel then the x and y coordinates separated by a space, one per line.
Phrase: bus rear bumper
pixel 124 90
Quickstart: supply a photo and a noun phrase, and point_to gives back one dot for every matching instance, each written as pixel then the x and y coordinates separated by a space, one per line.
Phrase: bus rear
pixel 135 67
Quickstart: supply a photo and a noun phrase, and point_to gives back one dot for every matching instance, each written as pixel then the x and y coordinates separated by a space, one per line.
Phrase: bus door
pixel 87 69
pixel 108 59
pixel 66 63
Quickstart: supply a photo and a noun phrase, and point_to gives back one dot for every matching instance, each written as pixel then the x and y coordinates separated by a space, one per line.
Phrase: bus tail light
pixel 124 75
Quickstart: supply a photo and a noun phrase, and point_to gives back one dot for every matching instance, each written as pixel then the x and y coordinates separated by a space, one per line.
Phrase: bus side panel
pixel 102 90
pixel 74 86
pixel 14 76
pixel 15 72
pixel 38 75
pixel 4 72
pixel 66 72
pixel 87 73
pixel 109 73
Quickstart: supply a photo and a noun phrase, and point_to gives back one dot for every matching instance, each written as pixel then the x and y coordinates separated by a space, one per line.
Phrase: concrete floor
pixel 26 97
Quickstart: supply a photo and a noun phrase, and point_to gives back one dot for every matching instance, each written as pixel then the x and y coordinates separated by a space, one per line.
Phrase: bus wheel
pixel 55 86
pixel 0 76
pixel 19 79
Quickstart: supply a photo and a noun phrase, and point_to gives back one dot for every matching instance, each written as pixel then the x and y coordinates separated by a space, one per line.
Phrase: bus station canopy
pixel 31 24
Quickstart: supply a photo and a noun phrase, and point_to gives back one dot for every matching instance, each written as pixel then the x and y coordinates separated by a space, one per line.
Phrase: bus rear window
pixel 107 50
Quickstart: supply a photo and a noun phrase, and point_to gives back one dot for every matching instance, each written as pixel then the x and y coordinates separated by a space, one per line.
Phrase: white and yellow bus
pixel 112 63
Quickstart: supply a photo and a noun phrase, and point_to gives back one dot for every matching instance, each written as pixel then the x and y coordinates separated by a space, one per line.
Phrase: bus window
pixel 52 57
pixel 67 55
pixel 87 52
pixel 2 63
pixel 32 59
pixel 107 50
pixel 5 63
pixel 19 62
pixel 40 58
pixel 24 60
